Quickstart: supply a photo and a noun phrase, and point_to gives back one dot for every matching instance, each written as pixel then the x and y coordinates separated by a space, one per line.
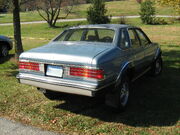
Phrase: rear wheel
pixel 119 98
pixel 123 94
pixel 157 67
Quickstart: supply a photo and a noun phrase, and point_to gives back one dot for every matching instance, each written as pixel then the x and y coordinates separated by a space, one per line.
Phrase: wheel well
pixel 159 55
pixel 5 43
pixel 130 73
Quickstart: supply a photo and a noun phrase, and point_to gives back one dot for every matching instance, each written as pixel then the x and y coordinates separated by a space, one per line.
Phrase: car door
pixel 138 51
pixel 147 45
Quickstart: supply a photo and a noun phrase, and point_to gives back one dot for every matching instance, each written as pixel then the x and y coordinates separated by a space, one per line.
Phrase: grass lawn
pixel 115 8
pixel 154 110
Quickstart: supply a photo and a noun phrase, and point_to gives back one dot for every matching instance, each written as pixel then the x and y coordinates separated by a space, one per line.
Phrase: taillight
pixel 84 72
pixel 29 66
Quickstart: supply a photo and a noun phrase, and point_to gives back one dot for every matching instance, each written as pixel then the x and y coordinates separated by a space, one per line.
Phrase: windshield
pixel 88 34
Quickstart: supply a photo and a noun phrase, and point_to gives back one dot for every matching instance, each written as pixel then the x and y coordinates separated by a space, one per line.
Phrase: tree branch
pixel 41 14
pixel 69 11
pixel 58 12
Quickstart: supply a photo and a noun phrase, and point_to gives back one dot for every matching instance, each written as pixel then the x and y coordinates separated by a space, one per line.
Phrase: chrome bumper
pixel 59 85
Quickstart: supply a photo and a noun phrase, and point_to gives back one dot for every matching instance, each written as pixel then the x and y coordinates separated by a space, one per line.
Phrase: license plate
pixel 56 71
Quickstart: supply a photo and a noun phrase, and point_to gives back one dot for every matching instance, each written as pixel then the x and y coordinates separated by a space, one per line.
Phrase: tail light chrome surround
pixel 69 70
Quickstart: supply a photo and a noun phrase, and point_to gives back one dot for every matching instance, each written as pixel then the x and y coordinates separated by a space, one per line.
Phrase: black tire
pixel 118 99
pixel 123 94
pixel 157 67
pixel 4 50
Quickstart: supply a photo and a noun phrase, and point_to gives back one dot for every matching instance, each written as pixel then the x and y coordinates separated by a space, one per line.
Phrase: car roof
pixel 108 26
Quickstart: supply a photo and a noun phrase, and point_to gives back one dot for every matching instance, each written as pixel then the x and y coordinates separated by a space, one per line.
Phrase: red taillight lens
pixel 90 73
pixel 29 66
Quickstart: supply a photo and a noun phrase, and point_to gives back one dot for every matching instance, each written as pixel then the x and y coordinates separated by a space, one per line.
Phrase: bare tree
pixel 17 29
pixel 50 10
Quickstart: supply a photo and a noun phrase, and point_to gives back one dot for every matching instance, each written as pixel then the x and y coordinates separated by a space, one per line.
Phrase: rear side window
pixel 124 39
pixel 135 43
pixel 143 38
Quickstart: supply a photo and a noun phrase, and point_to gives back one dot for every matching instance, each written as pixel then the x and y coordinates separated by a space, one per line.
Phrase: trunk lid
pixel 66 52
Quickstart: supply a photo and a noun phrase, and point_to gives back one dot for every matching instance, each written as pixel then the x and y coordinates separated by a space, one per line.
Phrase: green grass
pixel 116 8
pixel 155 106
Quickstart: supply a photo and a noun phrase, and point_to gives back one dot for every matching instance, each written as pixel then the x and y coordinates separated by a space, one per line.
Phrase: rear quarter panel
pixel 111 62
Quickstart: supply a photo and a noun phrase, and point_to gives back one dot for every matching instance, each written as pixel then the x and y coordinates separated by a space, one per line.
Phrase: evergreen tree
pixel 96 13
pixel 147 12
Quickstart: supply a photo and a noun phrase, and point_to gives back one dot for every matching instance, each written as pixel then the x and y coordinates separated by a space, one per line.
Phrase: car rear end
pixel 75 79
pixel 66 64
pixel 59 68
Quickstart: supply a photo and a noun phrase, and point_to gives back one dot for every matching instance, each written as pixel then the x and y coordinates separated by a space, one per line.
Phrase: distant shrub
pixel 159 21
pixel 96 13
pixel 147 12
pixel 174 20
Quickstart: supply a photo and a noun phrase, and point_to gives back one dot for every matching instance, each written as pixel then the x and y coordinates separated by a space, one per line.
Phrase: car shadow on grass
pixel 7 58
pixel 155 101
pixel 151 105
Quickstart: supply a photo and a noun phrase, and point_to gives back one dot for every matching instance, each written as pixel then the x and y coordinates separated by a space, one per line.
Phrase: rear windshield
pixel 89 35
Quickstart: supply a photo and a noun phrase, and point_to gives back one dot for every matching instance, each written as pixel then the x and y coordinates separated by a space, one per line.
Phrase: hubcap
pixel 124 94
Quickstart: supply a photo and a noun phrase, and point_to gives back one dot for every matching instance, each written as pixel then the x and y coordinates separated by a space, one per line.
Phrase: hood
pixel 66 52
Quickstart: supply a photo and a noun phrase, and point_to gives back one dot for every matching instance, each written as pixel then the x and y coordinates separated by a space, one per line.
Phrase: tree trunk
pixel 17 29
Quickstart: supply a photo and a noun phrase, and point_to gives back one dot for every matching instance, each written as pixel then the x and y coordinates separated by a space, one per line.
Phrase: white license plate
pixel 56 71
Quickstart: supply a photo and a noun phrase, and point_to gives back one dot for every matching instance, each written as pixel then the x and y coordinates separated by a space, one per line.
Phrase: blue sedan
pixel 91 59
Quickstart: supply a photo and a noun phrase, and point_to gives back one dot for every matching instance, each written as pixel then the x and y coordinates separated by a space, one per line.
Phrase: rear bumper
pixel 60 85
pixel 59 88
